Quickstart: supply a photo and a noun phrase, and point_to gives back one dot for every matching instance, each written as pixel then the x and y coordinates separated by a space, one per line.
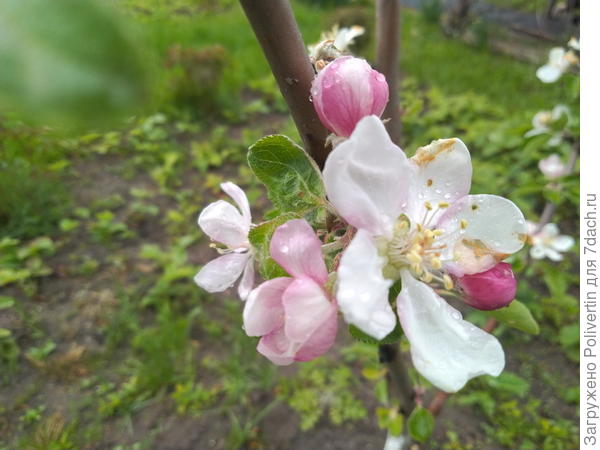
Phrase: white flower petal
pixel 239 197
pixel 548 73
pixel 362 291
pixel 538 252
pixel 224 223
pixel 553 254
pixel 367 178
pixel 485 224
pixel 220 273
pixel 443 175
pixel 247 282
pixel 549 230
pixel 563 243
pixel 447 350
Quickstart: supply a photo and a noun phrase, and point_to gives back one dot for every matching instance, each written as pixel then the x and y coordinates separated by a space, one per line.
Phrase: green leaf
pixel 292 178
pixel 420 424
pixel 361 336
pixel 4 333
pixel 391 420
pixel 509 383
pixel 516 315
pixel 69 62
pixel 6 302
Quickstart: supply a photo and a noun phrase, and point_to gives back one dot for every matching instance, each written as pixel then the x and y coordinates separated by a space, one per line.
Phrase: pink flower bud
pixel 492 289
pixel 347 90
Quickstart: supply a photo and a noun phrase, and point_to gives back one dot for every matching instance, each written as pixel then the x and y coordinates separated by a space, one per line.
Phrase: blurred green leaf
pixel 6 302
pixel 361 336
pixel 509 383
pixel 516 315
pixel 68 62
pixel 292 178
pixel 420 424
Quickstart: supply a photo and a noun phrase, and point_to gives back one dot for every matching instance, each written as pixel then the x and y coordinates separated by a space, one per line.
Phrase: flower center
pixel 418 248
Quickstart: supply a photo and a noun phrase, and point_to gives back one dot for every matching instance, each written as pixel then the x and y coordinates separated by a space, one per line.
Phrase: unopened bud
pixel 492 289
pixel 347 90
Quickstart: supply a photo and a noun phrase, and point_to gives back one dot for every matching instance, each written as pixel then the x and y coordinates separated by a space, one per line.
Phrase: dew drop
pixel 447 196
pixel 285 249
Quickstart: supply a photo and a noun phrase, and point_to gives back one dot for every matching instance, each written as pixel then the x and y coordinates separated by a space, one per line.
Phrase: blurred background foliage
pixel 110 144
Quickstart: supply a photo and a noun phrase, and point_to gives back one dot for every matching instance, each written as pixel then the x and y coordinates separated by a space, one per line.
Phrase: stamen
pixel 448 284
pixel 463 224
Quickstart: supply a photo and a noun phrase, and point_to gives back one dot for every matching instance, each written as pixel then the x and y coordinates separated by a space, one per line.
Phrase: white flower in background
pixel 548 242
pixel 416 222
pixel 552 167
pixel 543 120
pixel 559 61
pixel 574 44
pixel 228 225
pixel 334 43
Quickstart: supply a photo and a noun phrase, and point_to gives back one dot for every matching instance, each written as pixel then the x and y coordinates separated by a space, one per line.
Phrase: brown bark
pixel 277 32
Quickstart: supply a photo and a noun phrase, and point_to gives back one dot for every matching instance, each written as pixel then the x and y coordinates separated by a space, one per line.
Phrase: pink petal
pixel 493 289
pixel 298 250
pixel 321 340
pixel 306 306
pixel 347 90
pixel 220 273
pixel 277 348
pixel 263 312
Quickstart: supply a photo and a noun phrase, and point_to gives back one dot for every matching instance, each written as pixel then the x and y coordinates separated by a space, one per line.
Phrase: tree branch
pixel 387 60
pixel 277 32
pixel 400 385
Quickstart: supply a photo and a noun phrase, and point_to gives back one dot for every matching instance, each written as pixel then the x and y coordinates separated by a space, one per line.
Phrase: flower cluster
pixel 394 222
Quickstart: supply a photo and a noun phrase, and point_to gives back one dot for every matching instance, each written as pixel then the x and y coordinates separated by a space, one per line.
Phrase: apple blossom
pixel 543 120
pixel 230 226
pixel 547 242
pixel 558 63
pixel 491 289
pixel 553 167
pixel 416 222
pixel 334 43
pixel 295 316
pixel 347 90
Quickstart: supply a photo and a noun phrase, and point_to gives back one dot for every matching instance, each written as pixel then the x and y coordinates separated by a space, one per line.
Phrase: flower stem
pixel 277 32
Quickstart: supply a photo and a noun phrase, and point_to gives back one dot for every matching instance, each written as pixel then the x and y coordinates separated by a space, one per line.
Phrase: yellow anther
pixel 443 204
pixel 427 277
pixel 438 232
pixel 414 257
pixel 463 223
pixel 436 263
pixel 416 268
pixel 419 227
pixel 448 284
pixel 428 206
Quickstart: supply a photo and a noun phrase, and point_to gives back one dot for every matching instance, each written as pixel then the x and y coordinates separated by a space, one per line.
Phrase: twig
pixel 400 385
pixel 387 60
pixel 277 32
